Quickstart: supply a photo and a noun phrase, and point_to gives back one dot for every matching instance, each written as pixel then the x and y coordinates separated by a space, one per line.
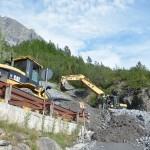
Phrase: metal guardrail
pixel 17 97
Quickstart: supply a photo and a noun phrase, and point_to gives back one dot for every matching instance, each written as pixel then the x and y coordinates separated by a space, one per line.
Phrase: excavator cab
pixel 113 102
pixel 31 69
pixel 23 73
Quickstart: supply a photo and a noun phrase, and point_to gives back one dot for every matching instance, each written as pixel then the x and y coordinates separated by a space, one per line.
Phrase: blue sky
pixel 114 32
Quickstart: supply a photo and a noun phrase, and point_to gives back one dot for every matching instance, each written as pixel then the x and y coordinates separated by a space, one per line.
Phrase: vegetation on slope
pixel 63 63
pixel 15 133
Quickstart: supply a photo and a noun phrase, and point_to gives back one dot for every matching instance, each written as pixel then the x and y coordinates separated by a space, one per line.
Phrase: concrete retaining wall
pixel 34 120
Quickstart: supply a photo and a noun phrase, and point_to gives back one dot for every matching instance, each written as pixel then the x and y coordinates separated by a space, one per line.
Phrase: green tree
pixel 67 50
pixel 140 66
pixel 5 53
pixel 89 60
pixel 55 58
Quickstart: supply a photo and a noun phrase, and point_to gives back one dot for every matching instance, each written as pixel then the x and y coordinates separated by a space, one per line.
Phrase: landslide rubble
pixel 121 129
pixel 118 126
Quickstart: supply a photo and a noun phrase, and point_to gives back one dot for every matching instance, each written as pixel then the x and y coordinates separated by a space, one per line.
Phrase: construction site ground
pixel 118 130
pixel 113 129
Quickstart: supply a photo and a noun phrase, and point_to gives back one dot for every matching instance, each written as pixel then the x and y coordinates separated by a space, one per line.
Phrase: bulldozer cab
pixel 31 69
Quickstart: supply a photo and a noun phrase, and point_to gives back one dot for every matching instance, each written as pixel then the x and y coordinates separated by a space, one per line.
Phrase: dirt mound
pixel 122 128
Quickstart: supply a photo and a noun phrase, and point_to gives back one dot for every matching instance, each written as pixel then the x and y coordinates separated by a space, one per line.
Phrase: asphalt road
pixel 116 146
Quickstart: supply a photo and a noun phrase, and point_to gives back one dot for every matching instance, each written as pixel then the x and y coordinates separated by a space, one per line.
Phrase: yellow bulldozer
pixel 23 73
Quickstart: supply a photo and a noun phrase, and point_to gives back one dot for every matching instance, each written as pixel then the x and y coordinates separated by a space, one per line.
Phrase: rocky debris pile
pixel 54 90
pixel 123 131
pixel 140 116
pixel 122 128
pixel 117 126
pixel 72 103
pixel 120 125
pixel 144 142
pixel 110 126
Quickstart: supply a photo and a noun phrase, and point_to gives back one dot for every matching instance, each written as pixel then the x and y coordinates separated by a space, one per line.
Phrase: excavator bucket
pixel 66 86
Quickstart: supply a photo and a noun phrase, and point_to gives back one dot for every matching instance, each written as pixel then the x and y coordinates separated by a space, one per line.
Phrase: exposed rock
pixel 21 146
pixel 138 99
pixel 144 97
pixel 15 33
pixel 9 147
pixel 44 143
pixel 4 143
pixel 21 137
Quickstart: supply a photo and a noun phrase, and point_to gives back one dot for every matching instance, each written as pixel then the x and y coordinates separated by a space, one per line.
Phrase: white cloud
pixel 124 56
pixel 123 4
pixel 103 55
pixel 80 18
pixel 74 22
pixel 134 53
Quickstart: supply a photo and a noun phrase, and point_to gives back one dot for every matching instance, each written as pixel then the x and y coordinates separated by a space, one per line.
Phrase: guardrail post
pixel 8 93
pixel 77 118
pixel 51 109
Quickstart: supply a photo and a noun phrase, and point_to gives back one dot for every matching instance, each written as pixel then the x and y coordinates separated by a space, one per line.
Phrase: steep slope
pixel 15 32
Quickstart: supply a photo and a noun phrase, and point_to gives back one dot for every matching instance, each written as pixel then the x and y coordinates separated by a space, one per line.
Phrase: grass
pixel 12 129
pixel 62 139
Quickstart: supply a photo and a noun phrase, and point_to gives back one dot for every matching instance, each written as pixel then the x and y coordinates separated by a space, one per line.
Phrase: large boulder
pixel 21 146
pixel 44 143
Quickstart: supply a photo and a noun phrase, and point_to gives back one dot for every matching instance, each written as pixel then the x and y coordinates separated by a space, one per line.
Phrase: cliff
pixel 15 32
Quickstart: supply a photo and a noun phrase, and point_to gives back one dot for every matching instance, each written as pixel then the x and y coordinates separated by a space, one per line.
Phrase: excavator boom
pixel 93 87
pixel 82 78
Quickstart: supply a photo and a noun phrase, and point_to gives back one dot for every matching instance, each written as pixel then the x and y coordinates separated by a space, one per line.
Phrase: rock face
pixel 15 33
pixel 138 99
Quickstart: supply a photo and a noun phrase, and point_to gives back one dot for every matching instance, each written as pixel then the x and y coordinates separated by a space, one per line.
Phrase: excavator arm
pixel 93 87
pixel 87 82
pixel 82 78
pixel 71 77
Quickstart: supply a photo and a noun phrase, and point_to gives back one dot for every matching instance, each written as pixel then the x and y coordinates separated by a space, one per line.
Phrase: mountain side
pixel 15 32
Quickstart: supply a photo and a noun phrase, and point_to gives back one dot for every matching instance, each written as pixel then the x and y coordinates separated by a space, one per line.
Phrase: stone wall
pixel 34 120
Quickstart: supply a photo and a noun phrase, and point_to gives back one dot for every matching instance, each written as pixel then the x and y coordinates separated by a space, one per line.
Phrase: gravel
pixel 113 126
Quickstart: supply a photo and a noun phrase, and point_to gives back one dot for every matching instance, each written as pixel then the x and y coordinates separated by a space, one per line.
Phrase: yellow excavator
pixel 109 101
pixel 64 83
pixel 23 73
